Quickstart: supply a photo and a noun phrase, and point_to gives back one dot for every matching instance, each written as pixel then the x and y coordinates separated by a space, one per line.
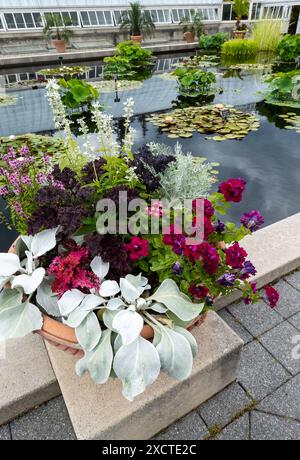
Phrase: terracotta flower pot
pixel 63 337
pixel 239 34
pixel 189 37
pixel 136 38
pixel 60 45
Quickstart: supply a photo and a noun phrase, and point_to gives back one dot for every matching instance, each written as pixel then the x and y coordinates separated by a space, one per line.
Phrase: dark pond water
pixel 269 159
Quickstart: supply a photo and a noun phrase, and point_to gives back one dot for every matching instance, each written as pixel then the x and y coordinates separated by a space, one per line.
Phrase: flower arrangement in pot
pixel 95 273
pixel 192 27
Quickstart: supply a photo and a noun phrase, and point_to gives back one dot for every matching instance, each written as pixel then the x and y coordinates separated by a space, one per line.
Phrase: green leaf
pixel 169 295
pixel 19 320
pixel 10 298
pixel 137 365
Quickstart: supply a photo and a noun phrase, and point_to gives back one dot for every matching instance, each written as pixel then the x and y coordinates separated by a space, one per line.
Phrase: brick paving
pixel 263 404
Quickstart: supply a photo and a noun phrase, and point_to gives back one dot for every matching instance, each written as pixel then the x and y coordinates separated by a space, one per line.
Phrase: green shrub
pixel 195 83
pixel 131 62
pixel 239 48
pixel 289 48
pixel 213 42
pixel 267 34
pixel 284 89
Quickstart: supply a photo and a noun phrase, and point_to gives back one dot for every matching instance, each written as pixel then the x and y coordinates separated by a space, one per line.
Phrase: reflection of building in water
pixel 96 24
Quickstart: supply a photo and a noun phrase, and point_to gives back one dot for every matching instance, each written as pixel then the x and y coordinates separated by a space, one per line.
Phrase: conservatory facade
pixel 98 20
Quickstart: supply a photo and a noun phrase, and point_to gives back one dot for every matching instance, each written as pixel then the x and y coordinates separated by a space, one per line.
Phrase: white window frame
pixel 44 13
pixel 15 22
pixel 90 26
pixel 2 24
pixel 166 12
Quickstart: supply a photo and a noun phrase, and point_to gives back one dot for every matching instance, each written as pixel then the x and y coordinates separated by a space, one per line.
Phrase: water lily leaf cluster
pixel 7 100
pixel 108 86
pixel 206 120
pixel 65 71
pixel 292 120
pixel 200 61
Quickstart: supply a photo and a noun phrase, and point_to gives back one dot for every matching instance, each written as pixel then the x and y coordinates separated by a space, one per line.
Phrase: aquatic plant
pixel 109 86
pixel 214 41
pixel 267 35
pixel 234 124
pixel 195 83
pixel 284 89
pixel 130 62
pixel 289 48
pixel 239 48
pixel 7 100
pixel 292 120
pixel 64 71
pixel 77 94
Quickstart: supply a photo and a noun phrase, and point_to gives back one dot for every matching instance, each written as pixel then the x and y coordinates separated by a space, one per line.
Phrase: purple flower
pixel 220 227
pixel 178 244
pixel 252 220
pixel 247 270
pixel 3 191
pixel 59 185
pixel 24 150
pixel 41 178
pixel 177 268
pixel 26 180
pixel 46 159
pixel 226 280
pixel 14 179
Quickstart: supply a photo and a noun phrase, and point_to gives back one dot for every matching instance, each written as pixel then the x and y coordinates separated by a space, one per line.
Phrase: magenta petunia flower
pixel 199 292
pixel 137 248
pixel 272 295
pixel 252 220
pixel 235 256
pixel 210 258
pixel 233 189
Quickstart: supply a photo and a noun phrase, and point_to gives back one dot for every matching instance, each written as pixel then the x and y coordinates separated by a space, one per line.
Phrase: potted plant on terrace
pixel 122 301
pixel 138 22
pixel 58 31
pixel 241 9
pixel 192 28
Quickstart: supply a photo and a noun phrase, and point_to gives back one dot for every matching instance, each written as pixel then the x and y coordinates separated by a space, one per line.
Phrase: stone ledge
pixel 101 412
pixel 26 377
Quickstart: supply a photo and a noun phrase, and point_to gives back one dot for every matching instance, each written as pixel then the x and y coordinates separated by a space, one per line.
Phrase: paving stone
pixel 188 428
pixel 101 412
pixel 279 342
pixel 4 433
pixel 266 427
pixel 259 372
pixel 257 318
pixel 48 422
pixel 294 279
pixel 289 303
pixel 26 377
pixel 285 401
pixel 222 408
pixel 238 430
pixel 236 326
pixel 295 321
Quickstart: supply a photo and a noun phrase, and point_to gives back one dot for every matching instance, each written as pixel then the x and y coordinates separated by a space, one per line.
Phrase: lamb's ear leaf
pixel 128 324
pixel 175 354
pixel 100 363
pixel 29 283
pixel 43 242
pixel 99 267
pixel 46 299
pixel 137 365
pixel 9 264
pixel 19 320
pixel 89 332
pixel 10 298
pixel 109 288
pixel 81 366
pixel 169 295
pixel 190 338
pixel 129 292
pixel 70 301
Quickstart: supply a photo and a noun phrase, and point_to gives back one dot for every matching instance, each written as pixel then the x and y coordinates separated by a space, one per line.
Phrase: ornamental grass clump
pixel 106 256
pixel 239 48
pixel 267 35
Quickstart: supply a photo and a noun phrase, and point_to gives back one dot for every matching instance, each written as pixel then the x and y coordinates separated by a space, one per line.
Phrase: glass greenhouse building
pixel 31 15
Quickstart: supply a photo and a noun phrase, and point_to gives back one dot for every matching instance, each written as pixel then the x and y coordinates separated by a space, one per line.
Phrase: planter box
pixel 101 412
